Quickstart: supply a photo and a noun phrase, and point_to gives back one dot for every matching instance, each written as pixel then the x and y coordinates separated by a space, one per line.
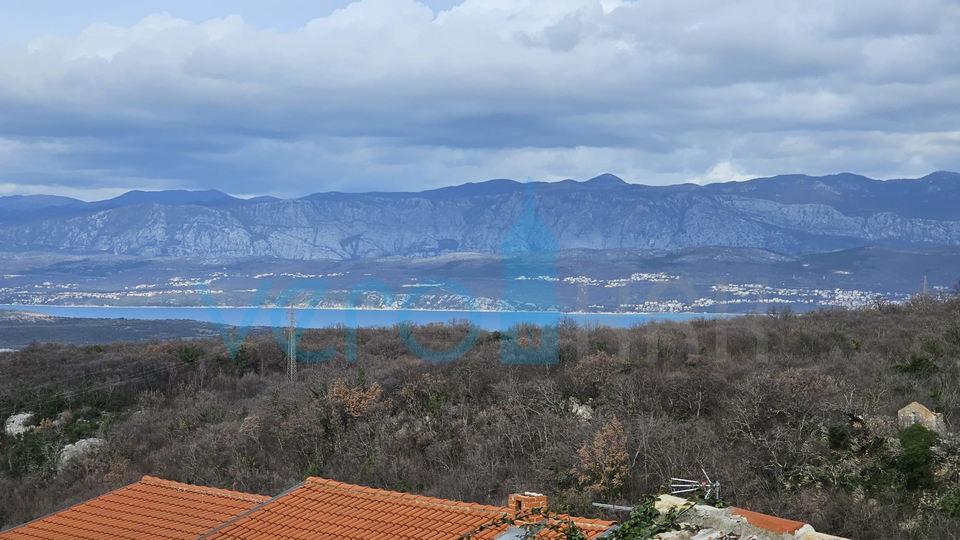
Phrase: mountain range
pixel 790 214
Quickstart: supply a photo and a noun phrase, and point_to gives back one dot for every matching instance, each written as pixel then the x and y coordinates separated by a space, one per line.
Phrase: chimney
pixel 522 503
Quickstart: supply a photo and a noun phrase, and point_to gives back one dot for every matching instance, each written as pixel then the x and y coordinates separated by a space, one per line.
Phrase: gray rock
pixel 18 423
pixel 82 449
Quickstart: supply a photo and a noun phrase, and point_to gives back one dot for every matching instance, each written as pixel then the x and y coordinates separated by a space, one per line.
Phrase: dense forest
pixel 796 414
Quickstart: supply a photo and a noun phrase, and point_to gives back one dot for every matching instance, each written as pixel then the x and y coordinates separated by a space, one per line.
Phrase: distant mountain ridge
pixel 787 214
pixel 169 197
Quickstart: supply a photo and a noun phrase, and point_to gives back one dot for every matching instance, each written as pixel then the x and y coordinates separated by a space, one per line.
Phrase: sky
pixel 295 97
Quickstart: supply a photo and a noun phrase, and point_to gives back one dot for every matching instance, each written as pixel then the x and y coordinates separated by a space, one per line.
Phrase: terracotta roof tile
pixel 151 508
pixel 322 509
pixel 770 523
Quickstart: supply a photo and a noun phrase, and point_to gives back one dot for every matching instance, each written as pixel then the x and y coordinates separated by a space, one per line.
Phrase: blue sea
pixel 322 318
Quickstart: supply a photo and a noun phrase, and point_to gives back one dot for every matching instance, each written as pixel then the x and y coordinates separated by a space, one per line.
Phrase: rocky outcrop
pixel 732 523
pixel 18 424
pixel 78 451
pixel 582 411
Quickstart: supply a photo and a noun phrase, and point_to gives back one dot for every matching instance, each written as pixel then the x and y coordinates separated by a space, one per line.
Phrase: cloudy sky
pixel 294 97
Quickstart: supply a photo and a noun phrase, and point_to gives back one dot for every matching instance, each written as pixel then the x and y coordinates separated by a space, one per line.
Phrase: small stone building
pixel 916 413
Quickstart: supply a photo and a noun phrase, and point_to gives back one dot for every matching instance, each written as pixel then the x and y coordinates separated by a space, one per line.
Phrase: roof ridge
pixel 424 499
pixel 169 507
pixel 71 507
pixel 580 521
pixel 203 489
pixel 260 506
pixel 576 520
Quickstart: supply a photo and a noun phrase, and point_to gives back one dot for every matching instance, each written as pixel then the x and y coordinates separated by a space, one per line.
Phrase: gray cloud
pixel 387 94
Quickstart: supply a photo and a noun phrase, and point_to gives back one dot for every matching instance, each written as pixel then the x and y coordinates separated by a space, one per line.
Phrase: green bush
pixel 189 354
pixel 916 460
pixel 315 469
pixel 950 504
pixel 645 521
pixel 49 405
pixel 437 399
pixel 920 366
pixel 837 437
pixel 81 429
pixel 25 455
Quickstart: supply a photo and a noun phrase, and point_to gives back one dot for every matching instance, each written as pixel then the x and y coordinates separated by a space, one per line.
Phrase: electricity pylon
pixel 292 348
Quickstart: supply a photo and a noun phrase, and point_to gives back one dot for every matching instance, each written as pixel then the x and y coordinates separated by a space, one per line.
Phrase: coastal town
pixel 637 293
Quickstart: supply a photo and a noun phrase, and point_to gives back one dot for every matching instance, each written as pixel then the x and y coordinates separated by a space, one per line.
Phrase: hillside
pixel 18 329
pixel 796 415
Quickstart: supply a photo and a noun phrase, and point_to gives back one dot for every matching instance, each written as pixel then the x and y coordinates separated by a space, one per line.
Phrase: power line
pixel 35 370
pixel 88 374
pixel 72 393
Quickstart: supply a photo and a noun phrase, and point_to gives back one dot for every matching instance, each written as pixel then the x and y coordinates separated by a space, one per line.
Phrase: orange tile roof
pixel 770 523
pixel 151 508
pixel 320 509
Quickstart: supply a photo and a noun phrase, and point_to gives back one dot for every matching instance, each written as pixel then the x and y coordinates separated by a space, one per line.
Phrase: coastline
pixel 27 307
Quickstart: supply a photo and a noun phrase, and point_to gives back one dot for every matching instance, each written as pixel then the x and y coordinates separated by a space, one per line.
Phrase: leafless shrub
pixel 751 399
